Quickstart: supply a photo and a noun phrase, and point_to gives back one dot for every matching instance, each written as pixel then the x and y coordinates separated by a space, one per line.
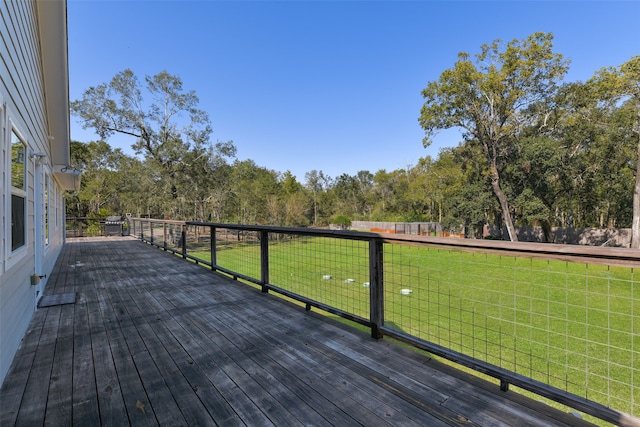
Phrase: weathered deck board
pixel 155 340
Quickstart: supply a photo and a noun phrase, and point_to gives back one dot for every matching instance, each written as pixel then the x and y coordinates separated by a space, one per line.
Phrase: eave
pixel 52 27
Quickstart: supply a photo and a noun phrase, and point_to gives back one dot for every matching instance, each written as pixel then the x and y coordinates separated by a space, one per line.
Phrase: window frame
pixel 13 255
pixel 17 192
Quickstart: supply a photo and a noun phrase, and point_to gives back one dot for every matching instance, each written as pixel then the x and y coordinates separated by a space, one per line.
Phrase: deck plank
pixel 274 357
pixel 112 407
pixel 270 395
pixel 413 406
pixel 131 387
pixel 313 368
pixel 364 390
pixel 59 403
pixel 13 387
pixel 334 378
pixel 85 395
pixel 146 394
pixel 204 364
pixel 154 340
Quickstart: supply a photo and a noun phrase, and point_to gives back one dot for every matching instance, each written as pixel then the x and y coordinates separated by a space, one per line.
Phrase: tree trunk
pixel 315 210
pixel 546 230
pixel 635 224
pixel 495 183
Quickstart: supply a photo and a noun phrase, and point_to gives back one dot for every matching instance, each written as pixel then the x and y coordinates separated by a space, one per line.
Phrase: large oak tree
pixel 164 120
pixel 616 85
pixel 494 97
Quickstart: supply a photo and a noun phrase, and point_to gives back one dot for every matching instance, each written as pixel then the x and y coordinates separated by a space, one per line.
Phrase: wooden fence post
pixel 376 287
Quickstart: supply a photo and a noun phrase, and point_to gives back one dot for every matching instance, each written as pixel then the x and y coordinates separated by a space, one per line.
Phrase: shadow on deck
pixel 154 340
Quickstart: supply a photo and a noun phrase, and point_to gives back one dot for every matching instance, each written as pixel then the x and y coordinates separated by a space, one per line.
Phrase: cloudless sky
pixel 333 86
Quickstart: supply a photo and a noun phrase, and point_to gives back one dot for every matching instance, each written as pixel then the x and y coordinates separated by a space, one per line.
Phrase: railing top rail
pixel 589 254
pixel 623 257
pixel 318 232
pixel 160 221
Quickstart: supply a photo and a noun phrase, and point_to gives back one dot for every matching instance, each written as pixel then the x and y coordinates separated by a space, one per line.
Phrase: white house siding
pixel 23 110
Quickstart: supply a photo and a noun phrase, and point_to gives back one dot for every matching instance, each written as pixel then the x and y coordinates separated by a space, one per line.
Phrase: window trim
pixel 19 192
pixel 14 256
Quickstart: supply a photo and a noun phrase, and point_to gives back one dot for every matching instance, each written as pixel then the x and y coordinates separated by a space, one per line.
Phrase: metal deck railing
pixel 557 320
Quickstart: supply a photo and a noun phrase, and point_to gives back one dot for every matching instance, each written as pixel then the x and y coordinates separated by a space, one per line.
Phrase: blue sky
pixel 326 85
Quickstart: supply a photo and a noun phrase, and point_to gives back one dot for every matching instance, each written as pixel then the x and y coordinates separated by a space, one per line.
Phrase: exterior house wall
pixel 24 112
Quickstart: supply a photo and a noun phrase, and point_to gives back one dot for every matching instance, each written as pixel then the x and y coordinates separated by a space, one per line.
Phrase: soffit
pixel 52 26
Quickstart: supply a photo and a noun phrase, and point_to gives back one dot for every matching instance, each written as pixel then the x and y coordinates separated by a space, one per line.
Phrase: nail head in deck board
pixel 172 327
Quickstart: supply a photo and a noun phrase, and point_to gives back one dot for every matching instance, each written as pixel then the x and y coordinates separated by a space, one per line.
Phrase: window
pixel 18 191
pixel 55 207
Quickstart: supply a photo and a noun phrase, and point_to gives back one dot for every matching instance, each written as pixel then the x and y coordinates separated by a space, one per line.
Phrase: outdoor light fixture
pixel 39 157
pixel 67 176
pixel 70 169
pixel 38 154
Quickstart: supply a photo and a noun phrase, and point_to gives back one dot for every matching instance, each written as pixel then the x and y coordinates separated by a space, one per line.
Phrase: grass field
pixel 572 325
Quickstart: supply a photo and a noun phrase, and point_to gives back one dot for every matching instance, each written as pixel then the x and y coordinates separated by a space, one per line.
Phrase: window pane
pixel 17 221
pixel 18 154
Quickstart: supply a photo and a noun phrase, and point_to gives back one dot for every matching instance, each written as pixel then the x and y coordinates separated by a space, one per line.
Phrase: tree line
pixel 534 151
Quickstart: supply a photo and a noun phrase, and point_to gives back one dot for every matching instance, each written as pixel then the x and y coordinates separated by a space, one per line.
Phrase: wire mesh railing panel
pixel 571 325
pixel 238 251
pixel 334 272
pixel 172 236
pixel 84 227
pixel 158 230
pixel 145 229
pixel 198 242
pixel 610 319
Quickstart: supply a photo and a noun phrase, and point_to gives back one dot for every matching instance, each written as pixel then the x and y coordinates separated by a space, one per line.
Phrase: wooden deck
pixel 154 340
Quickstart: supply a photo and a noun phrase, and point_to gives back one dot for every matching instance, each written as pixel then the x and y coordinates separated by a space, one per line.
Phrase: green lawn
pixel 571 325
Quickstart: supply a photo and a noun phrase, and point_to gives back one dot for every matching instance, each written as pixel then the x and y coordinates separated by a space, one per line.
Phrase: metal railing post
pixel 184 241
pixel 212 242
pixel 376 287
pixel 264 260
pixel 151 231
pixel 164 236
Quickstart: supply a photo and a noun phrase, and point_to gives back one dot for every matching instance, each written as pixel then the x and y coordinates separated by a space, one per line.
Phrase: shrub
pixel 342 221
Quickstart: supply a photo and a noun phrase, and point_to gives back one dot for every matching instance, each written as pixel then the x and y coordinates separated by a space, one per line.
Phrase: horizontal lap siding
pixel 21 72
pixel 22 93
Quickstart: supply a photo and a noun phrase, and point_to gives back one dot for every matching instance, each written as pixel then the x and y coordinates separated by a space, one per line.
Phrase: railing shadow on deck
pixel 560 321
